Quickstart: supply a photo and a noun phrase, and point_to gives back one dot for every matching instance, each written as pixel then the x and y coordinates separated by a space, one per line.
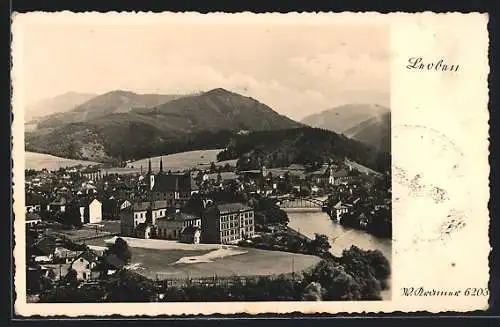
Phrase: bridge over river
pixel 302 203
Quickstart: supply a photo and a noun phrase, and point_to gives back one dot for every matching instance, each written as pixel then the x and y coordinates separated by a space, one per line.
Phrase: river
pixel 309 223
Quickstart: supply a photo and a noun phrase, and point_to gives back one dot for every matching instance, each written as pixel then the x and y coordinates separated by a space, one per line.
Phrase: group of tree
pixel 307 146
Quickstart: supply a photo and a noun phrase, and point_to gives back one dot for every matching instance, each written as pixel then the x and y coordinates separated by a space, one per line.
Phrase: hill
pixel 61 103
pixel 196 122
pixel 375 132
pixel 103 105
pixel 304 145
pixel 342 118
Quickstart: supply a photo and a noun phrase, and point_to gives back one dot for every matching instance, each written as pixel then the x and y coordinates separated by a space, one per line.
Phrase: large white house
pixel 90 211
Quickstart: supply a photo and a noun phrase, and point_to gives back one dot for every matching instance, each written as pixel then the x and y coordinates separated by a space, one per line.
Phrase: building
pixel 33 202
pixel 90 210
pixel 141 213
pixel 32 219
pixel 58 205
pixel 338 210
pixel 172 226
pixel 339 177
pixel 84 265
pixel 176 189
pixel 227 223
pixel 132 217
pixel 43 250
pixel 111 207
pixel 191 235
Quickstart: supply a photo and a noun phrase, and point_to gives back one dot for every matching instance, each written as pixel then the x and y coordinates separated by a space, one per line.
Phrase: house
pixel 111 207
pixel 90 210
pixel 338 210
pixel 62 254
pixel 43 250
pixel 33 202
pixel 171 227
pixel 84 265
pixel 227 223
pixel 32 219
pixel 191 235
pixel 144 230
pixel 58 205
pixel 339 177
pixel 133 216
pixel 140 213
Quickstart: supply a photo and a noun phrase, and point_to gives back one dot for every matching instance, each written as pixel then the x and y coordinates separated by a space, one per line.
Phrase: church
pixel 175 188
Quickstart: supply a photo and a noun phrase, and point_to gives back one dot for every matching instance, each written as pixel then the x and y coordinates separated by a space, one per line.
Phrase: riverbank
pixel 341 238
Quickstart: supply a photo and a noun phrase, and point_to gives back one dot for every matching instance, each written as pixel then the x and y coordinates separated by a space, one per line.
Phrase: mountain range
pixel 193 121
pixel 367 123
pixel 342 118
pixel 375 132
pixel 58 104
pixel 120 125
pixel 103 105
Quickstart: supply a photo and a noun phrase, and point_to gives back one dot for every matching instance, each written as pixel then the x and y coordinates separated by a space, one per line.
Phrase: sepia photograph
pixel 207 163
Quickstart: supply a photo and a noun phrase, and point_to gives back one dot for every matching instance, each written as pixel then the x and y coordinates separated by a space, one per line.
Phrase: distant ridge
pixel 127 131
pixel 342 118
pixel 375 132
pixel 105 104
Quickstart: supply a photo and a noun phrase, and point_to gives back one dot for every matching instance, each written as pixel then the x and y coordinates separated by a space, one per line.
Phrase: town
pixel 82 223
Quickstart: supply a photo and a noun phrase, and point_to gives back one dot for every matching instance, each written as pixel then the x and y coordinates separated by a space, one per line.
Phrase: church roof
pixel 173 183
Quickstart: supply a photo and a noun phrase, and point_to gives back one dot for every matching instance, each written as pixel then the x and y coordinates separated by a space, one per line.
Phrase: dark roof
pixel 232 207
pixel 340 173
pixel 181 216
pixel 189 230
pixel 45 246
pixel 89 255
pixel 141 206
pixel 33 198
pixel 59 202
pixel 173 182
pixel 33 216
pixel 159 205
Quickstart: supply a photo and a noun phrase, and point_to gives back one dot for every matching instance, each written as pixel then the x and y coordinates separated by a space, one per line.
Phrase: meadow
pixel 38 161
pixel 178 161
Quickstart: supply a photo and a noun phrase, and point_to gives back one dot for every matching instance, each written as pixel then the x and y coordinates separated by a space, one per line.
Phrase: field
pixel 174 162
pixel 157 259
pixel 38 161
pixel 181 160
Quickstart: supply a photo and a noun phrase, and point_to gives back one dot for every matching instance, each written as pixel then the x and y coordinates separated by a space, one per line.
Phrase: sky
pixel 295 69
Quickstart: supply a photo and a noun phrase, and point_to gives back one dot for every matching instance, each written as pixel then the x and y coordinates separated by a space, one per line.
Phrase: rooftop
pixel 232 207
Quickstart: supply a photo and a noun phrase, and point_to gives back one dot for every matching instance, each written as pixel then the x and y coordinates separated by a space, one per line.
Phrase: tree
pixel 213 168
pixel 71 278
pixel 121 250
pixel 313 292
pixel 320 244
pixel 71 217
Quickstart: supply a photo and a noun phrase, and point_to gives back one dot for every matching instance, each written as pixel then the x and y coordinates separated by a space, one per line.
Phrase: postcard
pixel 192 164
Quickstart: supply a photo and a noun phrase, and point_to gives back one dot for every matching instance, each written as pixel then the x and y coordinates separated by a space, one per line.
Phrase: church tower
pixel 151 176
pixel 161 165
